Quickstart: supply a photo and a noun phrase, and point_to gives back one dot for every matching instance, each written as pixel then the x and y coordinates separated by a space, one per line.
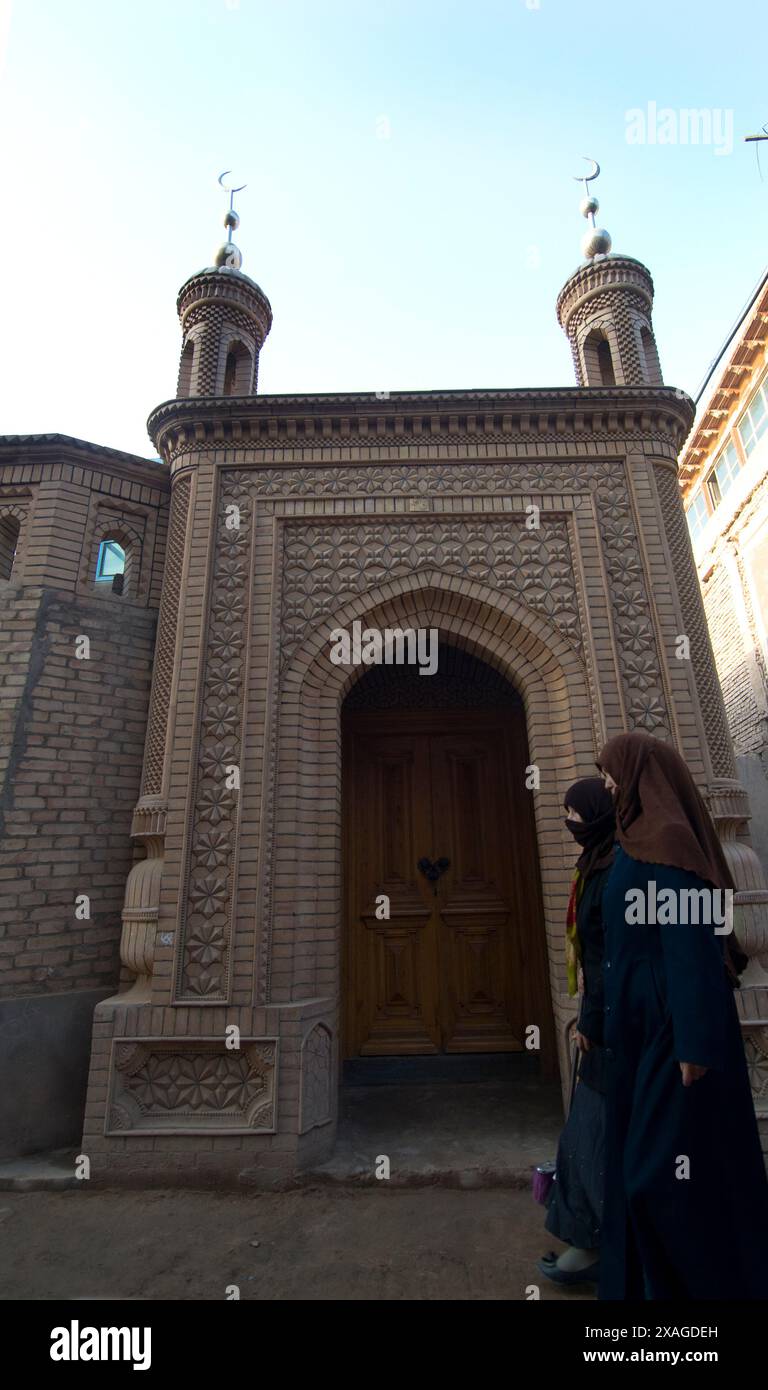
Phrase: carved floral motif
pixel 326 565
pixel 207 925
pixel 166 1085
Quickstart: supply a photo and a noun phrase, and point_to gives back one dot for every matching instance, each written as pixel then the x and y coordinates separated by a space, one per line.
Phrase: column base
pixel 195 1095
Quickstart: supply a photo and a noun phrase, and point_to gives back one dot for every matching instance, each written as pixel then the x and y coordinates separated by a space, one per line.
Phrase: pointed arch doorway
pixel 439 833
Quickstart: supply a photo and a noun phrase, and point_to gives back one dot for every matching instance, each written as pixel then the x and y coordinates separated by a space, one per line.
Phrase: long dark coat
pixel 574 1209
pixel 667 1000
pixel 589 925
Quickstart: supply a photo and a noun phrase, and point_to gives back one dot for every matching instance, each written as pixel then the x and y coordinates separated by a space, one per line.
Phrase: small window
pixel 724 473
pixel 598 360
pixel 605 363
pixel 238 370
pixel 110 562
pixel 754 421
pixel 9 540
pixel 697 515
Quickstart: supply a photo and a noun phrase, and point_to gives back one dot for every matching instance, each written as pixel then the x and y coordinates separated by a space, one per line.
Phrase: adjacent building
pixel 724 477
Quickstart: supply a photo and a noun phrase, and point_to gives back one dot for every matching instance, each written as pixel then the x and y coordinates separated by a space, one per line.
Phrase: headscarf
pixel 661 818
pixel 660 815
pixel 595 832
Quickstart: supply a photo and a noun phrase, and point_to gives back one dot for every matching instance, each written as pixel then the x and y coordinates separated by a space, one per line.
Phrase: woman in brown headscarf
pixel 686 1196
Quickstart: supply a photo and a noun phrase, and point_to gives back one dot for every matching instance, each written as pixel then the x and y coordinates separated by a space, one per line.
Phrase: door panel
pixel 482 997
pixel 393 964
pixel 459 965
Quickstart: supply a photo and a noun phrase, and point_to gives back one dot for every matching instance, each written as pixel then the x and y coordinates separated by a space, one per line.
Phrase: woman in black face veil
pixel 575 1204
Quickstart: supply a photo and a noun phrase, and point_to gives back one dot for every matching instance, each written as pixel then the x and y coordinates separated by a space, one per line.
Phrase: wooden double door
pixel 445 946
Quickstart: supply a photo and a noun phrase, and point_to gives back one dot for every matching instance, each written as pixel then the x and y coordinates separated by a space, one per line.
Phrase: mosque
pixel 232 861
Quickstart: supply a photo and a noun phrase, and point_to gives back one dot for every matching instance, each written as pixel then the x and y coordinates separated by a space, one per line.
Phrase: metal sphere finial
pixel 229 256
pixel 597 241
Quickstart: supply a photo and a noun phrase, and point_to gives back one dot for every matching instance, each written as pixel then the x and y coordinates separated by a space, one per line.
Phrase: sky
pixel 410 211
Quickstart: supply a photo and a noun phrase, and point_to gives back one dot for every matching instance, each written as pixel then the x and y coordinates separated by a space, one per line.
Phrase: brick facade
pixel 292 516
pixel 73 729
pixel 410 513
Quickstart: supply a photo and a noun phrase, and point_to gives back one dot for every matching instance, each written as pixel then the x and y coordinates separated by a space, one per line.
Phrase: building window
pixel 605 363
pixel 598 360
pixel 238 370
pixel 754 421
pixel 697 515
pixel 110 562
pixel 9 540
pixel 724 473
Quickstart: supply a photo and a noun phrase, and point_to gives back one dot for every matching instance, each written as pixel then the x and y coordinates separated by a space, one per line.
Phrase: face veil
pixel 596 830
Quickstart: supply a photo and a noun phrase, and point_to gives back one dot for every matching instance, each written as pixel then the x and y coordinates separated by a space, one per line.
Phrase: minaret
pixel 605 308
pixel 225 319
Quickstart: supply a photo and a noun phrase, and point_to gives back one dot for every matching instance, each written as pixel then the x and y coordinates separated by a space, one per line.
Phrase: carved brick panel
pixel 756 1047
pixel 327 562
pixel 316 1078
pixel 195 1085
pixel 325 566
pixel 205 911
pixel 636 645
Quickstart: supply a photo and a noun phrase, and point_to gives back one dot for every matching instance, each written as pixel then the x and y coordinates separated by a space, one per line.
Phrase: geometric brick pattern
pixel 613 296
pixel 205 910
pixel 196 1084
pixel 165 648
pixel 324 566
pixel 621 314
pixel 637 650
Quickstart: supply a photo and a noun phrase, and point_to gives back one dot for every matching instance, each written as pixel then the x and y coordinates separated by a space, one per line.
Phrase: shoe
pixel 590 1275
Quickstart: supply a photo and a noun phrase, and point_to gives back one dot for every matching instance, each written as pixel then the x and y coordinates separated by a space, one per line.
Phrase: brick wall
pixel 732 668
pixel 72 730
pixel 71 781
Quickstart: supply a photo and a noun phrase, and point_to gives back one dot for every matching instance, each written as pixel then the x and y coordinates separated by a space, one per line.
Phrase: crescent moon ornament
pixel 584 178
pixel 224 186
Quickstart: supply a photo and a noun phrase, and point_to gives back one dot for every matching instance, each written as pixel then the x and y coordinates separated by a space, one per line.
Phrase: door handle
pixel 433 871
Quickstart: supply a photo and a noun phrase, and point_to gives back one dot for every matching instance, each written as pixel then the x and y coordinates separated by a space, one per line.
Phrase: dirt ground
pixel 316 1243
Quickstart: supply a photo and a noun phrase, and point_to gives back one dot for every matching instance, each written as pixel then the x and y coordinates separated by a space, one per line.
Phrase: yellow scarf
pixel 572 952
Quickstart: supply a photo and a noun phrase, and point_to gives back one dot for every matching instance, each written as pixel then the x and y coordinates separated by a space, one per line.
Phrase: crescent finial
pixel 587 178
pixel 224 186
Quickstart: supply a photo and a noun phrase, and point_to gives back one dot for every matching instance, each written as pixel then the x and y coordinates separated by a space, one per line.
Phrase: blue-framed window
pixel 110 561
pixel 697 515
pixel 754 422
pixel 724 473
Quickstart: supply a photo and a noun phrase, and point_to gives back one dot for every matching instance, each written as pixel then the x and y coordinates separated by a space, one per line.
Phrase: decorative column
pixel 142 891
pixel 225 318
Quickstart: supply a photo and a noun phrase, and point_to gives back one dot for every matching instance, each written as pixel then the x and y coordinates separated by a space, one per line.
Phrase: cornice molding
pixel 50 449
pixel 598 277
pixel 414 418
